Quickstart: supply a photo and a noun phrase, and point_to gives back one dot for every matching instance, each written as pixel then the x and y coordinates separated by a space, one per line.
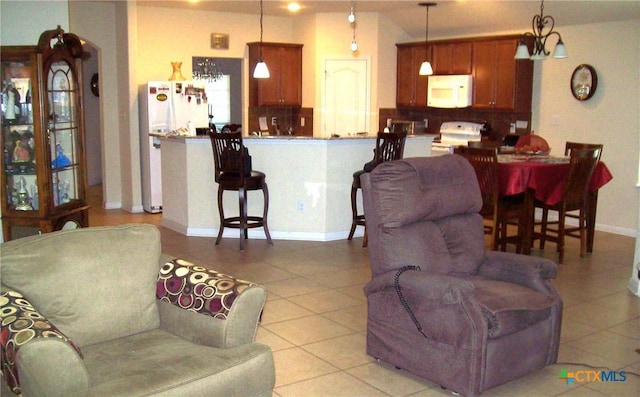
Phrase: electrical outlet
pixel 300 206
pixel 274 120
pixel 301 121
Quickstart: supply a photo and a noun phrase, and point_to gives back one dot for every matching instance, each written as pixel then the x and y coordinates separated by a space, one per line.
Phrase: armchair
pixel 439 305
pixel 100 311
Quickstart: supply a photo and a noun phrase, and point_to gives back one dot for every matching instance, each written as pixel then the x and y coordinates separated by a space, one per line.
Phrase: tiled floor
pixel 315 316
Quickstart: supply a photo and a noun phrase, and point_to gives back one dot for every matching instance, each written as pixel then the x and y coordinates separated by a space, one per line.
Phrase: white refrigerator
pixel 166 106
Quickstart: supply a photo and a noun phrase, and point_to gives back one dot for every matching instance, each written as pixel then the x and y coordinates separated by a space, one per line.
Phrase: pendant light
pixel 425 68
pixel 261 71
pixel 540 22
pixel 352 20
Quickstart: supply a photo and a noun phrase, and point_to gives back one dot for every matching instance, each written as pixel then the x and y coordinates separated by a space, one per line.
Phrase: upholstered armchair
pixel 439 305
pixel 101 312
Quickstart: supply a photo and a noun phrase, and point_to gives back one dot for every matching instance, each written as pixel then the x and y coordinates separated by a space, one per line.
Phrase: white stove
pixel 455 133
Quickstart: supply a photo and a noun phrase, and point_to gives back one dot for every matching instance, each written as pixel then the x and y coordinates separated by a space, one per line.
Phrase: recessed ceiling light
pixel 293 7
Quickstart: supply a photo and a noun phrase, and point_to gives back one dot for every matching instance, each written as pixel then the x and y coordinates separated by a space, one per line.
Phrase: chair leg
pixel 354 212
pixel 221 212
pixel 365 239
pixel 265 192
pixel 243 216
pixel 583 233
pixel 543 227
pixel 560 241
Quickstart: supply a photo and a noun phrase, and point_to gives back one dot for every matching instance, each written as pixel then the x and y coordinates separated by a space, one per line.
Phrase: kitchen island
pixel 309 183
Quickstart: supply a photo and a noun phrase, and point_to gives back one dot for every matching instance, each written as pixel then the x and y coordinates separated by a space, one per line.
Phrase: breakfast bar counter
pixel 309 183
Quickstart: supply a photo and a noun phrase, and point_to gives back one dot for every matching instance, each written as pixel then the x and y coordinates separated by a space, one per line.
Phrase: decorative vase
pixel 177 74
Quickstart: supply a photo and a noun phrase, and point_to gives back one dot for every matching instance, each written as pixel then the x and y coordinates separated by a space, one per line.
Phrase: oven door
pixel 440 149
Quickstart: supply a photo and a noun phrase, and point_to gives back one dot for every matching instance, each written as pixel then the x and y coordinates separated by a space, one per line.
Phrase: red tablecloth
pixel 547 179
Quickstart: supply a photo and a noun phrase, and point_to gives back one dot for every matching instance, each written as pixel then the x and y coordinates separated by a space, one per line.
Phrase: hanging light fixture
pixel 352 14
pixel 261 71
pixel 206 69
pixel 352 20
pixel 425 68
pixel 542 30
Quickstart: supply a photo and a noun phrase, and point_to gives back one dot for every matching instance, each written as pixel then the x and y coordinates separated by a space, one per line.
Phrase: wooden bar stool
pixel 233 172
pixel 389 146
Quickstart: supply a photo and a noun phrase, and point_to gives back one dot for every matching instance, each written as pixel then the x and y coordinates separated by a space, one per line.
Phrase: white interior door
pixel 345 97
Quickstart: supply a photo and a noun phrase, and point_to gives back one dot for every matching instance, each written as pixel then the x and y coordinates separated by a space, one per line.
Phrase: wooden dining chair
pixel 583 162
pixel 233 172
pixel 569 146
pixel 499 211
pixel 389 146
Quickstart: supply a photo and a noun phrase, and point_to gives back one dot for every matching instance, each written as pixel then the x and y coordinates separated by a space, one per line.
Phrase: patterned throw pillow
pixel 21 323
pixel 198 289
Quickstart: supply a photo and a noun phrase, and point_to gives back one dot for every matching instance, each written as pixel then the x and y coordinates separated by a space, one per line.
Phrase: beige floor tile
pixel 616 347
pixel 630 329
pixel 338 384
pixel 354 317
pixel 343 352
pixel 277 310
pixel 392 381
pixel 302 331
pixel 296 365
pixel 572 330
pixel 293 287
pixel 324 301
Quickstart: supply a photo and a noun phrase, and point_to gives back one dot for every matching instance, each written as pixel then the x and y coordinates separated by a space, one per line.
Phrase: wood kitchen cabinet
pixel 411 88
pixel 42 172
pixel 284 87
pixel 451 58
pixel 499 80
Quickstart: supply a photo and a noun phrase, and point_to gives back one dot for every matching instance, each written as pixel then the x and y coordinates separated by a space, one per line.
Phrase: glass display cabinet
pixel 43 186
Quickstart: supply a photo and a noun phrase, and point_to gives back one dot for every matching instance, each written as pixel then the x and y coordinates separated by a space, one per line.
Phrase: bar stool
pixel 233 172
pixel 389 146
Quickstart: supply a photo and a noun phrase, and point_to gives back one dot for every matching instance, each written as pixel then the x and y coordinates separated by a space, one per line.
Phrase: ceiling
pixel 449 18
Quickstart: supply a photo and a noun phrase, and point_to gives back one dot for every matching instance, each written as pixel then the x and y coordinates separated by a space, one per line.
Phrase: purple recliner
pixel 439 305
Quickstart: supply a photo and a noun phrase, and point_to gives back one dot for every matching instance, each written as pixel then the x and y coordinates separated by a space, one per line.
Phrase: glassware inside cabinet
pixel 18 144
pixel 63 133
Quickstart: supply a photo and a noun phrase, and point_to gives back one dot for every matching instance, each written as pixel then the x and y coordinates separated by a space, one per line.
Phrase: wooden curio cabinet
pixel 411 88
pixel 284 87
pixel 43 177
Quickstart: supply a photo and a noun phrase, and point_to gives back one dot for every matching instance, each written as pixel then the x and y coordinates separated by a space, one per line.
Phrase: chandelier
pixel 206 69
pixel 542 30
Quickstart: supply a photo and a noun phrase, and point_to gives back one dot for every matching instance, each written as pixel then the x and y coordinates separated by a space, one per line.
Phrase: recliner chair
pixel 439 305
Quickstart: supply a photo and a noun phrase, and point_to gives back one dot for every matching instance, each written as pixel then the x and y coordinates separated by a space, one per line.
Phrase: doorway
pixel 345 96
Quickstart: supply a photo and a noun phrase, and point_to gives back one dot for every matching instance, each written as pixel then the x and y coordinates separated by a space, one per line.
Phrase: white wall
pixel 24 21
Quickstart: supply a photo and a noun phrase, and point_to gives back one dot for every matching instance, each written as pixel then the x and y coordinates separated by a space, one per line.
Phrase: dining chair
pixel 233 172
pixel 569 146
pixel 389 146
pixel 583 162
pixel 499 211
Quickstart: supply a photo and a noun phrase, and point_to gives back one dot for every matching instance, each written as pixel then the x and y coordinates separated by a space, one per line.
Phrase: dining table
pixel 542 178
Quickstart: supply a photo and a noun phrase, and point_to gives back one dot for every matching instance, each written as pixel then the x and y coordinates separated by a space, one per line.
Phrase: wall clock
pixel 584 82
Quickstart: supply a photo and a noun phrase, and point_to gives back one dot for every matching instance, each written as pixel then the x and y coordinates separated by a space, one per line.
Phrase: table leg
pixel 527 222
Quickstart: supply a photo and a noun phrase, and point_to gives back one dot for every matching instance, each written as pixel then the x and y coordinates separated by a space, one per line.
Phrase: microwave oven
pixel 408 127
pixel 452 91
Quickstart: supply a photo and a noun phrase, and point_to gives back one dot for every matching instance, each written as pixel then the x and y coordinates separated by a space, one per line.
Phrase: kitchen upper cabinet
pixel 284 87
pixel 411 88
pixel 500 81
pixel 451 58
pixel 43 171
